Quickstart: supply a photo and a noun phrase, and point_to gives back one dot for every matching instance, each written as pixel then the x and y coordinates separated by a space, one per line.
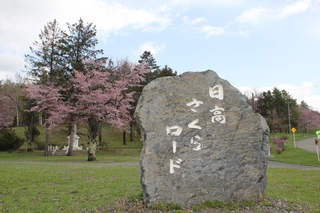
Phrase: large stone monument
pixel 202 141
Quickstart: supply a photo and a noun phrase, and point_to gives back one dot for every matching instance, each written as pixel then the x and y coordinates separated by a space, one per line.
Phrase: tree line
pixel 71 82
pixel 282 112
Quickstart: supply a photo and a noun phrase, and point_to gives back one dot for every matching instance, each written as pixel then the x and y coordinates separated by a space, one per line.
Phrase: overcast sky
pixel 255 45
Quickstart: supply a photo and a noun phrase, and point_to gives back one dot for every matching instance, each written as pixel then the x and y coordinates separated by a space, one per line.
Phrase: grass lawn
pixel 294 155
pixel 294 185
pixel 31 182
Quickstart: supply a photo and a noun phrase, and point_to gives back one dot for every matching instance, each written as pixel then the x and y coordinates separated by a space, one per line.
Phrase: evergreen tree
pixel 9 140
pixel 265 106
pixel 151 63
pixel 155 71
pixel 148 58
pixel 279 104
pixel 273 106
pixel 303 104
pixel 166 71
pixel 80 45
pixel 46 61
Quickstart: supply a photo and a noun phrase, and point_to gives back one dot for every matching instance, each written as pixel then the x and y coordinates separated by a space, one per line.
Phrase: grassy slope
pixel 111 138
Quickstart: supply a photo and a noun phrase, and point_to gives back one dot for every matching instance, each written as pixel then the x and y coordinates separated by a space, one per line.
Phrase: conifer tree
pixel 46 63
pixel 80 45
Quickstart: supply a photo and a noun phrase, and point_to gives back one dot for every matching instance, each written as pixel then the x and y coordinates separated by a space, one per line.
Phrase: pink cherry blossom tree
pixel 49 102
pixel 308 118
pixel 99 96
pixel 103 97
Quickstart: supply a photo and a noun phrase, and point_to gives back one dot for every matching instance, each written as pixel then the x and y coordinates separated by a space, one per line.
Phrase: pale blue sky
pixel 255 45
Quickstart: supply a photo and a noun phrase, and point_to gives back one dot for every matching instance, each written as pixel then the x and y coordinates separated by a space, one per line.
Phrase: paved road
pixel 306 144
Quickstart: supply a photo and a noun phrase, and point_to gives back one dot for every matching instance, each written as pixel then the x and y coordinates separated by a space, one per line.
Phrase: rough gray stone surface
pixel 202 141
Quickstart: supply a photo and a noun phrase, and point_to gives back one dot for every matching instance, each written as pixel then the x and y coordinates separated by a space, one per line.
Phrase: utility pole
pixel 253 103
pixel 289 116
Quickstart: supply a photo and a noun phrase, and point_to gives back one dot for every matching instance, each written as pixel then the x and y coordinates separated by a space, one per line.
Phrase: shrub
pixel 9 140
pixel 31 134
pixel 39 145
pixel 279 145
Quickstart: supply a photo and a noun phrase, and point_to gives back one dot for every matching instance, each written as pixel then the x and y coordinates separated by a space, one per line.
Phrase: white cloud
pixel 206 3
pixel 295 8
pixel 313 28
pixel 22 21
pixel 244 33
pixel 152 47
pixel 256 15
pixel 212 31
pixel 10 65
pixel 314 20
pixel 187 21
pixel 252 16
pixel 117 17
pixel 306 92
pixel 110 16
pixel 21 18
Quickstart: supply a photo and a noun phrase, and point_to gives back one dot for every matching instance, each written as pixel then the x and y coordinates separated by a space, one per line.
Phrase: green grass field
pixel 295 155
pixel 31 182
pixel 295 185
